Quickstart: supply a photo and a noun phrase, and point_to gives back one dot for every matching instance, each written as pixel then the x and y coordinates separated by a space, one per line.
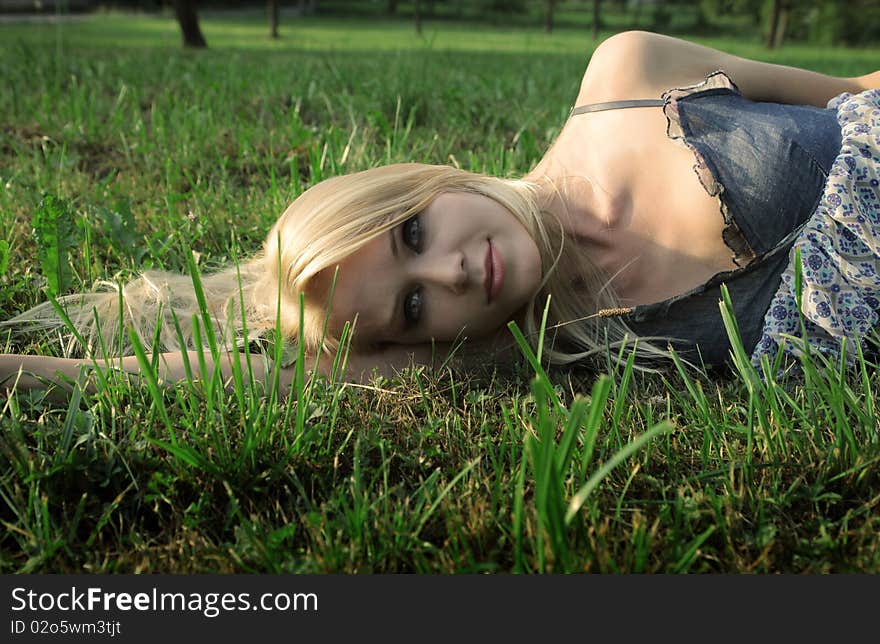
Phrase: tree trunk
pixel 188 18
pixel 597 20
pixel 780 27
pixel 772 37
pixel 272 9
pixel 549 7
pixel 391 7
pixel 417 10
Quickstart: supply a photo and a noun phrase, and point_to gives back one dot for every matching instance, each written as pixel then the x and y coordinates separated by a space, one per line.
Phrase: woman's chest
pixel 661 230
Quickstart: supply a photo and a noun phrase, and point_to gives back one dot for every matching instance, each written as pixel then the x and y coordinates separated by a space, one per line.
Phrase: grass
pixel 158 151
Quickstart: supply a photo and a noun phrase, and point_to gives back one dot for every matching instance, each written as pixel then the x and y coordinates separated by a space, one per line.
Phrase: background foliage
pixel 825 22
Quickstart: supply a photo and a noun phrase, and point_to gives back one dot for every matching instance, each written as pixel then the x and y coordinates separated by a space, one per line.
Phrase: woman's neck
pixel 586 210
pixel 594 213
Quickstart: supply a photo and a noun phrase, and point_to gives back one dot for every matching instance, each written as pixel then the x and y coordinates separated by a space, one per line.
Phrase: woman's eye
pixel 412 233
pixel 412 307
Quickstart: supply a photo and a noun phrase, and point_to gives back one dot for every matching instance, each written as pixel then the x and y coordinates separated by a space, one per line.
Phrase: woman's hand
pixel 869 81
pixel 25 373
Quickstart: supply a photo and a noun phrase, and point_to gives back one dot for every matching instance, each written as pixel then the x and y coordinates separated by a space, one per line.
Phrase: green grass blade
pixel 621 455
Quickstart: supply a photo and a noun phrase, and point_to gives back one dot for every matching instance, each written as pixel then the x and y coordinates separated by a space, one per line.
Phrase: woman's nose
pixel 448 271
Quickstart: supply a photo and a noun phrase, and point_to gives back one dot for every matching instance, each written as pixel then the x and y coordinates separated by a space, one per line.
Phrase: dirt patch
pixel 97 160
pixel 27 135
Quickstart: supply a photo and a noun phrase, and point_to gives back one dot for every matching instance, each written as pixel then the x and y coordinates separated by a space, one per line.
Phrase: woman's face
pixel 464 265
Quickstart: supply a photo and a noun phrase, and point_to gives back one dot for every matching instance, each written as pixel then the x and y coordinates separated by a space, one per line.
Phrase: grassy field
pixel 158 151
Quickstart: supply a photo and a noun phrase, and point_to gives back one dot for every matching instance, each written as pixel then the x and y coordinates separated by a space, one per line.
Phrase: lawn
pixel 157 153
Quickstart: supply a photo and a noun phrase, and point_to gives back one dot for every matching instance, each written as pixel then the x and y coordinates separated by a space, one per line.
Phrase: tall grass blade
pixel 598 398
pixel 148 373
pixel 532 359
pixel 621 455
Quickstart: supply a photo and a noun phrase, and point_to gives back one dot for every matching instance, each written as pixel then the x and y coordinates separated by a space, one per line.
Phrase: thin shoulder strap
pixel 617 105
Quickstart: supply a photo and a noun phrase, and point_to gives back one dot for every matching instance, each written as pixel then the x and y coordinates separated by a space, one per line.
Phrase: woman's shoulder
pixel 620 68
pixel 642 64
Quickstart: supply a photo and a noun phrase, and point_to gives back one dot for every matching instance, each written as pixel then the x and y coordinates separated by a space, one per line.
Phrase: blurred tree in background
pixel 188 19
pixel 824 22
pixel 272 10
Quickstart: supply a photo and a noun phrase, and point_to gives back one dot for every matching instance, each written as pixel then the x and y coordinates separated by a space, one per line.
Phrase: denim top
pixel 767 162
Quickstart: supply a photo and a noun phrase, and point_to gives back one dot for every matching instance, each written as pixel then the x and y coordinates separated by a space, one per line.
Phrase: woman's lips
pixel 494 278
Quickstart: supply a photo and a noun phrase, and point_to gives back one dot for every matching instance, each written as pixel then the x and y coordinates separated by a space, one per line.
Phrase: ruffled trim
pixel 716 82
pixel 839 246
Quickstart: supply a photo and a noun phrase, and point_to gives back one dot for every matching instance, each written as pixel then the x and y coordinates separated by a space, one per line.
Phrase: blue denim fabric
pixel 772 161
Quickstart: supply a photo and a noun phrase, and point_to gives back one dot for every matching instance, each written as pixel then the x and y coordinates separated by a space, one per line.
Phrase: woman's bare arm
pixel 27 372
pixel 647 64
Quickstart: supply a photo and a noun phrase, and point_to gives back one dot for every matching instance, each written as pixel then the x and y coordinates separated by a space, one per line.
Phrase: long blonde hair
pixel 322 227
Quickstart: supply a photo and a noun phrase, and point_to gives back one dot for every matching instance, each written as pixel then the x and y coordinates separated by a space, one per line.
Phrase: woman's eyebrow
pixel 393 242
pixel 395 319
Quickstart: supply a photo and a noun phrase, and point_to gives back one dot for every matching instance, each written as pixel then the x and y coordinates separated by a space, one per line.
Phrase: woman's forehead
pixel 363 288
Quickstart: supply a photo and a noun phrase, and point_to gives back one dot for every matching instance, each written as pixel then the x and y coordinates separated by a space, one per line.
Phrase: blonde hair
pixel 321 228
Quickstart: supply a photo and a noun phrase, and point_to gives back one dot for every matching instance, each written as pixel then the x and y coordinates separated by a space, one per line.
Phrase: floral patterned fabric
pixel 839 247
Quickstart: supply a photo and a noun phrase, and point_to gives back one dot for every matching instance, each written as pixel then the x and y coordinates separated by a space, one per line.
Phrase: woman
pixel 650 198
